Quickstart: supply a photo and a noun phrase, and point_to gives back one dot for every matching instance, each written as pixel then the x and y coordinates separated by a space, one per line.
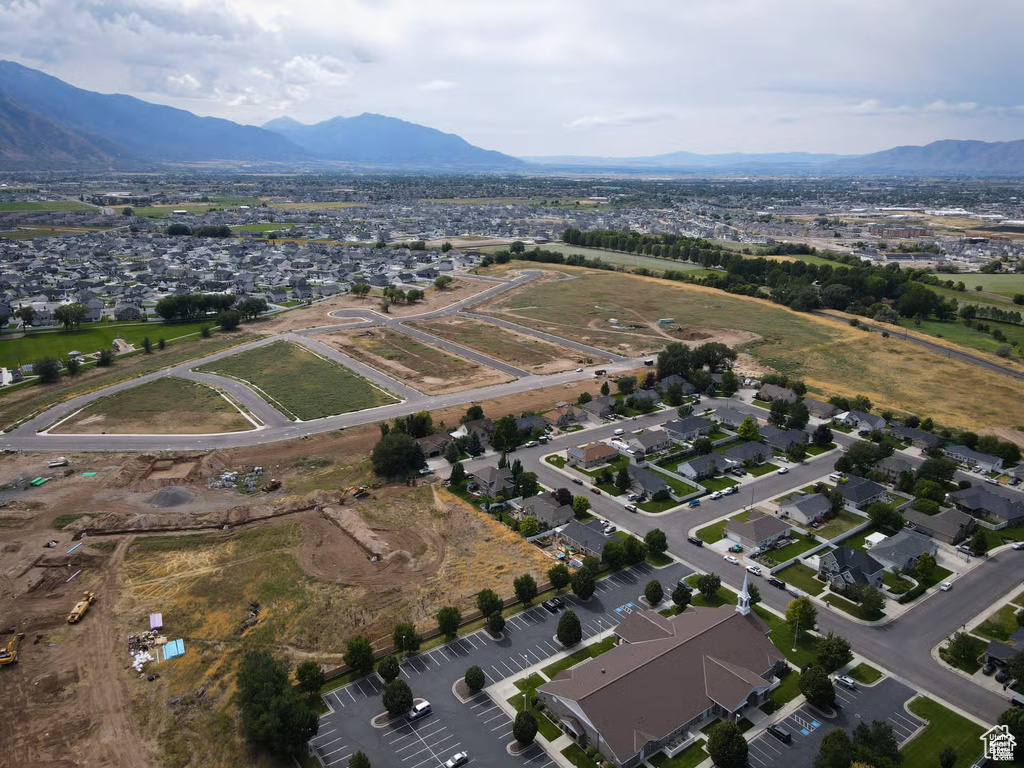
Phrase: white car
pixel 754 570
pixel 459 758
pixel 847 682
pixel 579 370
pixel 731 559
pixel 715 496
pixel 946 586
pixel 784 471
pixel 1019 546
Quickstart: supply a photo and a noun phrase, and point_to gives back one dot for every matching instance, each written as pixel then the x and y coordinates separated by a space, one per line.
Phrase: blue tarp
pixel 174 648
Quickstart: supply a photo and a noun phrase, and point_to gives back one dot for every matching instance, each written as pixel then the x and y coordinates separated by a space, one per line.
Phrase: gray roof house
pixel 770 392
pixel 584 538
pixel 700 467
pixel 893 466
pixel 759 531
pixel 806 508
pixel 650 441
pixel 674 378
pixel 646 481
pixel 917 437
pixel 819 409
pixel 859 492
pixel 663 679
pixel 600 406
pixel 747 454
pixel 783 439
pixel 1003 506
pixel 860 421
pixel 730 417
pixel 973 458
pixel 845 566
pixel 549 513
pixel 902 550
pixel 689 428
pixel 493 481
pixel 950 525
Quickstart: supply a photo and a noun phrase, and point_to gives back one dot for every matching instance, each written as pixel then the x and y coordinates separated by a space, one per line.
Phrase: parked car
pixel 459 758
pixel 731 490
pixel 715 496
pixel 1019 546
pixel 577 481
pixel 419 710
pixel 731 559
pixel 697 542
pixel 736 548
pixel 694 503
pixel 609 530
pixel 794 591
pixel 426 471
pixel 579 370
pixel 631 508
pixel 783 471
pixel 554 605
pixel 531 444
pixel 1014 481
pixel 634 497
pixel 946 586
pixel 619 431
pixel 738 471
pixel 776 582
pixel 780 733
pixel 988 669
pixel 682 583
pixel 847 682
pixel 596 490
pixel 754 569
pixel 1002 676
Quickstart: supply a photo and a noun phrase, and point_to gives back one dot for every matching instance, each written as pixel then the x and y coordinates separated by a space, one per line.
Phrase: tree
pixel 406 638
pixel 487 602
pixel 962 649
pixel 797 415
pixel 204 330
pixel 817 688
pixel 452 453
pixel 559 577
pixel 583 584
pixel 396 454
pixel 747 429
pixel 105 359
pixel 925 565
pixel 445 247
pixel 70 314
pixel 442 281
pixel 836 750
pixel 604 389
pixel 675 358
pixel 475 679
pixel 388 668
pixel 458 474
pixel 947 758
pixel 359 655
pixel 708 585
pixel 47 369
pixel 703 446
pixel 359 760
pixel 730 384
pixel 635 550
pixel 529 526
pixel 570 631
pixel 229 320
pixel 73 365
pixel 622 479
pixel 524 727
pixel 801 614
pixel 273 715
pixel 252 307
pixel 1015 666
pixel 797 453
pixel 778 412
pixel 1014 718
pixel 147 345
pixel 626 385
pixel 448 620
pixel 681 597
pixel 654 593
pixel 580 506
pixel 506 433
pixel 979 542
pixel 385 305
pixel 525 587
pixel 310 677
pixel 885 516
pixel 397 697
pixel 876 744
pixel 754 593
pixel 656 541
pixel 26 314
pixel 822 435
pixel 517 246
pixel 727 746
pixel 614 554
pixel 495 623
pixel 832 652
pixel 473 446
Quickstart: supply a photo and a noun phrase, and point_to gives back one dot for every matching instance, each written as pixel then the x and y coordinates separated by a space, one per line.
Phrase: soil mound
pixel 171 496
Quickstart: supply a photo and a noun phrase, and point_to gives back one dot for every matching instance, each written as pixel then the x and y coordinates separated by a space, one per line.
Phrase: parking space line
pixel 402 670
pixel 321 735
pixel 498 673
pixel 339 759
pixel 342 748
pixel 538 757
pixel 328 743
pixel 337 698
pixel 350 694
pixel 494 717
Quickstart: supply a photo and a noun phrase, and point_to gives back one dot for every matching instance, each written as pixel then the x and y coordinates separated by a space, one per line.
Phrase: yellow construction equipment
pixel 271 486
pixel 359 491
pixel 9 655
pixel 81 607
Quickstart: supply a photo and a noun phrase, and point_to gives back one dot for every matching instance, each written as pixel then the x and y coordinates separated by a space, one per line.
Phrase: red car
pixel 596 490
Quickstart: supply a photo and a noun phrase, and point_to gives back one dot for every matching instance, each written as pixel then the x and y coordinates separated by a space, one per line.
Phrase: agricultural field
pixel 316 590
pixel 300 384
pixel 425 368
pixel 1003 284
pixel 165 406
pixel 833 358
pixel 44 205
pixel 517 349
pixel 626 259
pixel 16 349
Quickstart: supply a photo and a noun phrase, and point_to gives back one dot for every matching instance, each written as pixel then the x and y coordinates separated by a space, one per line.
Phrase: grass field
pixel 801 577
pixel 36 344
pixel 587 652
pixel 833 359
pixel 945 729
pixel 959 333
pixel 1004 285
pixel 1000 625
pixel 781 635
pixel 261 228
pixel 164 406
pixel 514 348
pixel 865 673
pixel 691 757
pixel 45 205
pixel 840 524
pixel 626 259
pixel 300 384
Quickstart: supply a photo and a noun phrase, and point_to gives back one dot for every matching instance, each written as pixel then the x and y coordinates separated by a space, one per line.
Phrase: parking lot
pixel 883 701
pixel 479 727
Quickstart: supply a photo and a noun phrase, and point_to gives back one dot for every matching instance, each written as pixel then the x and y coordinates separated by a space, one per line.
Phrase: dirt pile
pixel 146 472
pixel 170 496
pixel 352 523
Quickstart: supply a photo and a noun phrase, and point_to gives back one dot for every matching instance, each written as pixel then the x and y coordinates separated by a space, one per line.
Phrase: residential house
pixel 700 467
pixel 819 409
pixel 646 482
pixel 1001 506
pixel 563 415
pixel 783 439
pixel 600 407
pixel 591 454
pixel 859 492
pixel 950 525
pixel 128 312
pixel 805 508
pixel 494 482
pixel 1018 472
pixel 902 550
pixel 674 378
pixel 893 466
pixel 916 437
pixel 845 566
pixel 530 423
pixel 483 428
pixel 585 539
pixel 1001 653
pixel 646 394
pixel 650 441
pixel 689 428
pixel 434 445
pixel 860 421
pixel 730 417
pixel 548 512
pixel 972 458
pixel 771 392
pixel 664 679
pixel 747 454
pixel 759 531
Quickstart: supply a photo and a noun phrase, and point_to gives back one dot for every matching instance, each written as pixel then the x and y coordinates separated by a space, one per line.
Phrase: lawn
pixel 995 538
pixel 719 483
pixel 816 450
pixel 800 545
pixel 626 259
pixel 36 344
pixel 588 652
pixel 657 507
pixel 679 488
pixel 691 757
pixel 1000 625
pixel 785 693
pixel 724 596
pixel 1004 285
pixel 45 205
pixel 945 729
pixel 865 673
pixel 840 524
pixel 1019 600
pixel 300 384
pixel 762 469
pixel 972 665
pixel 847 606
pixel 555 460
pixel 857 540
pixel 578 757
pixel 164 406
pixel 711 533
pixel 528 686
pixel 896 583
pixel 781 635
pixel 802 577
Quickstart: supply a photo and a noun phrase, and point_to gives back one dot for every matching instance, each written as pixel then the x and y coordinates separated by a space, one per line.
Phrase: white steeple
pixel 743 603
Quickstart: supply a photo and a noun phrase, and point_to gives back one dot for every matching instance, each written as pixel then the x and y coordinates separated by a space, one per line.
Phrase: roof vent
pixel 602 671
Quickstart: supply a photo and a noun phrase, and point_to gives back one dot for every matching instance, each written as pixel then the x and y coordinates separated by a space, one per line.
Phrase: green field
pixel 47 205
pixel 865 673
pixel 1004 285
pixel 945 729
pixel 1000 625
pixel 300 384
pixel 87 339
pixel 801 577
pixel 958 333
pixel 260 228
pixel 626 259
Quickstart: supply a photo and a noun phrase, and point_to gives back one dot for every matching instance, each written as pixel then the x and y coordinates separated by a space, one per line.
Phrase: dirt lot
pixel 517 349
pixel 164 406
pixel 427 369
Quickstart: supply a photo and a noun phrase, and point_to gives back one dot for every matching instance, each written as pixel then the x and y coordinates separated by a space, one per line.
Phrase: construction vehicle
pixel 60 461
pixel 9 655
pixel 359 491
pixel 271 486
pixel 81 607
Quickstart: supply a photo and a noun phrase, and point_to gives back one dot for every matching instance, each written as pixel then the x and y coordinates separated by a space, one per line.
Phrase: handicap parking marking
pixel 625 609
pixel 805 725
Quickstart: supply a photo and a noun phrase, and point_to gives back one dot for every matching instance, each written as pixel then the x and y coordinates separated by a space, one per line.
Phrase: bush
pixel 495 623
pixel 47 369
pixel 524 729
pixel 487 602
pixel 570 631
pixel 475 679
pixel 388 668
pixel 654 593
pixel 397 697
pixel 359 655
pixel 448 620
pixel 106 358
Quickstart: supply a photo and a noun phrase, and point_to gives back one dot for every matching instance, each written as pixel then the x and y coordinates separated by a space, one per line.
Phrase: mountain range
pixel 47 124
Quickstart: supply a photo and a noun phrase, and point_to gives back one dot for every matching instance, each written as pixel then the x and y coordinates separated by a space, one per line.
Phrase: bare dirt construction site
pixel 156 543
pixel 426 368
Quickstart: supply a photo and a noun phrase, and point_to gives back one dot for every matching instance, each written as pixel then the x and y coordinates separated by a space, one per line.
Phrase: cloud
pixel 438 85
pixel 617 121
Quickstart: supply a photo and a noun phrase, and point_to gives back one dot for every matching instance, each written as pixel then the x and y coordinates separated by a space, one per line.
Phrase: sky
pixel 555 77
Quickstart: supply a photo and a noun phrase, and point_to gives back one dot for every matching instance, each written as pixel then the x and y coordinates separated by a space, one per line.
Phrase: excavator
pixel 81 607
pixel 358 491
pixel 9 655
